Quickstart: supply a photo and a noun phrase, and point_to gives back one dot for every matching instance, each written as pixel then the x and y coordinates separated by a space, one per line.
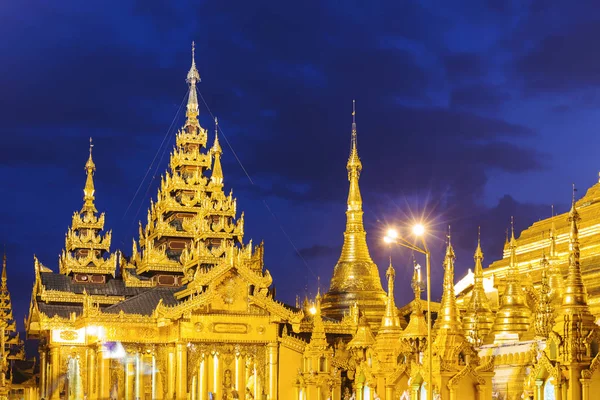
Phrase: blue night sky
pixel 468 112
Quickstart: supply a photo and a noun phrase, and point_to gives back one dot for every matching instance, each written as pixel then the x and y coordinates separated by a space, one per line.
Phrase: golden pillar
pixel 273 357
pixel 240 375
pixel 574 384
pixel 154 381
pixel 129 374
pixel 171 372
pixel 539 383
pixel 210 373
pixel 194 389
pixel 54 391
pixel 181 381
pixel 138 376
pixel 92 393
pixel 389 392
pixel 203 369
pixel 218 389
pixel 585 389
pixel 103 375
pixel 201 378
pixel 43 376
pixel 415 391
pixel 360 395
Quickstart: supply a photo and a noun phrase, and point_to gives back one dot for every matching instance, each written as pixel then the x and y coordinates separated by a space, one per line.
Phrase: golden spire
pixel 193 77
pixel 575 293
pixel 217 172
pixel 415 333
pixel 4 287
pixel 448 318
pixel 574 320
pixel 318 337
pixel 478 319
pixel 355 277
pixel 88 190
pixel 555 277
pixel 544 312
pixel 552 236
pixel 513 316
pixel 390 320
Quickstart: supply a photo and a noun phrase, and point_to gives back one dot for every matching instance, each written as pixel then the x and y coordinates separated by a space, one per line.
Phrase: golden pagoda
pixel 513 316
pixel 191 314
pixel 544 310
pixel 478 319
pixel 85 253
pixel 11 346
pixel 355 276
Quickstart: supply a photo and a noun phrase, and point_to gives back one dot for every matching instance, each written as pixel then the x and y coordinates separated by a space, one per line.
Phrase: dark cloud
pixel 429 83
pixel 478 97
pixel 317 251
pixel 551 64
pixel 461 66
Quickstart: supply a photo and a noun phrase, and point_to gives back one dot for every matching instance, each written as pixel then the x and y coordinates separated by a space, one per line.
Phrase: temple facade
pixel 190 313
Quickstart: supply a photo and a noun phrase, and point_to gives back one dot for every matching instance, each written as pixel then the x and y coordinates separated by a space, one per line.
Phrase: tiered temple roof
pixel 86 255
pixel 193 221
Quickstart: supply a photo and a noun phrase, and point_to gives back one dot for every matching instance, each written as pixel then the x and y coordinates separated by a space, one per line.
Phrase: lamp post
pixel 418 230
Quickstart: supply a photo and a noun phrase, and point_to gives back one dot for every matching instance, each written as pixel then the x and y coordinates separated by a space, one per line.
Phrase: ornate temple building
pixel 17 379
pixel 190 313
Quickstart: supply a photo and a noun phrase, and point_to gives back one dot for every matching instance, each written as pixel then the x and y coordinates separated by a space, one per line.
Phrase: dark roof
pixel 64 283
pixel 62 310
pixel 145 303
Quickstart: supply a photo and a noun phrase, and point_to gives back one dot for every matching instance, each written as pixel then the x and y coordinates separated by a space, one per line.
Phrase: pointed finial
pixel 192 78
pixel 88 190
pixel 574 190
pixel 512 227
pixel 478 252
pixel 354 134
pixel 4 267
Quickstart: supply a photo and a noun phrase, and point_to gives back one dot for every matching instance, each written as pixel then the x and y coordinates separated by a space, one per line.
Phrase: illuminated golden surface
pixel 191 311
pixel 355 276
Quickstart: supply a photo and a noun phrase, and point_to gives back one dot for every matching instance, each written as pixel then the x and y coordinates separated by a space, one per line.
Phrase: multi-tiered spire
pixel 448 318
pixel 574 320
pixel 86 249
pixel 544 312
pixel 12 348
pixel 556 281
pixel 513 316
pixel 192 226
pixel 415 333
pixel 479 319
pixel 355 277
pixel 450 339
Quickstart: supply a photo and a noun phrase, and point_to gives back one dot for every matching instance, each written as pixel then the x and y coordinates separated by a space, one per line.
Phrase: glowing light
pixel 418 230
pixel 388 239
pixel 392 233
pixel 313 310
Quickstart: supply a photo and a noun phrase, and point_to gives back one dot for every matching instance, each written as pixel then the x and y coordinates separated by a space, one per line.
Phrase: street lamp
pixel 418 230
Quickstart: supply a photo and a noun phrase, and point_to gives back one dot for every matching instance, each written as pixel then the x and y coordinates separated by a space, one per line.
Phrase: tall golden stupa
pixel 190 313
pixel 355 277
